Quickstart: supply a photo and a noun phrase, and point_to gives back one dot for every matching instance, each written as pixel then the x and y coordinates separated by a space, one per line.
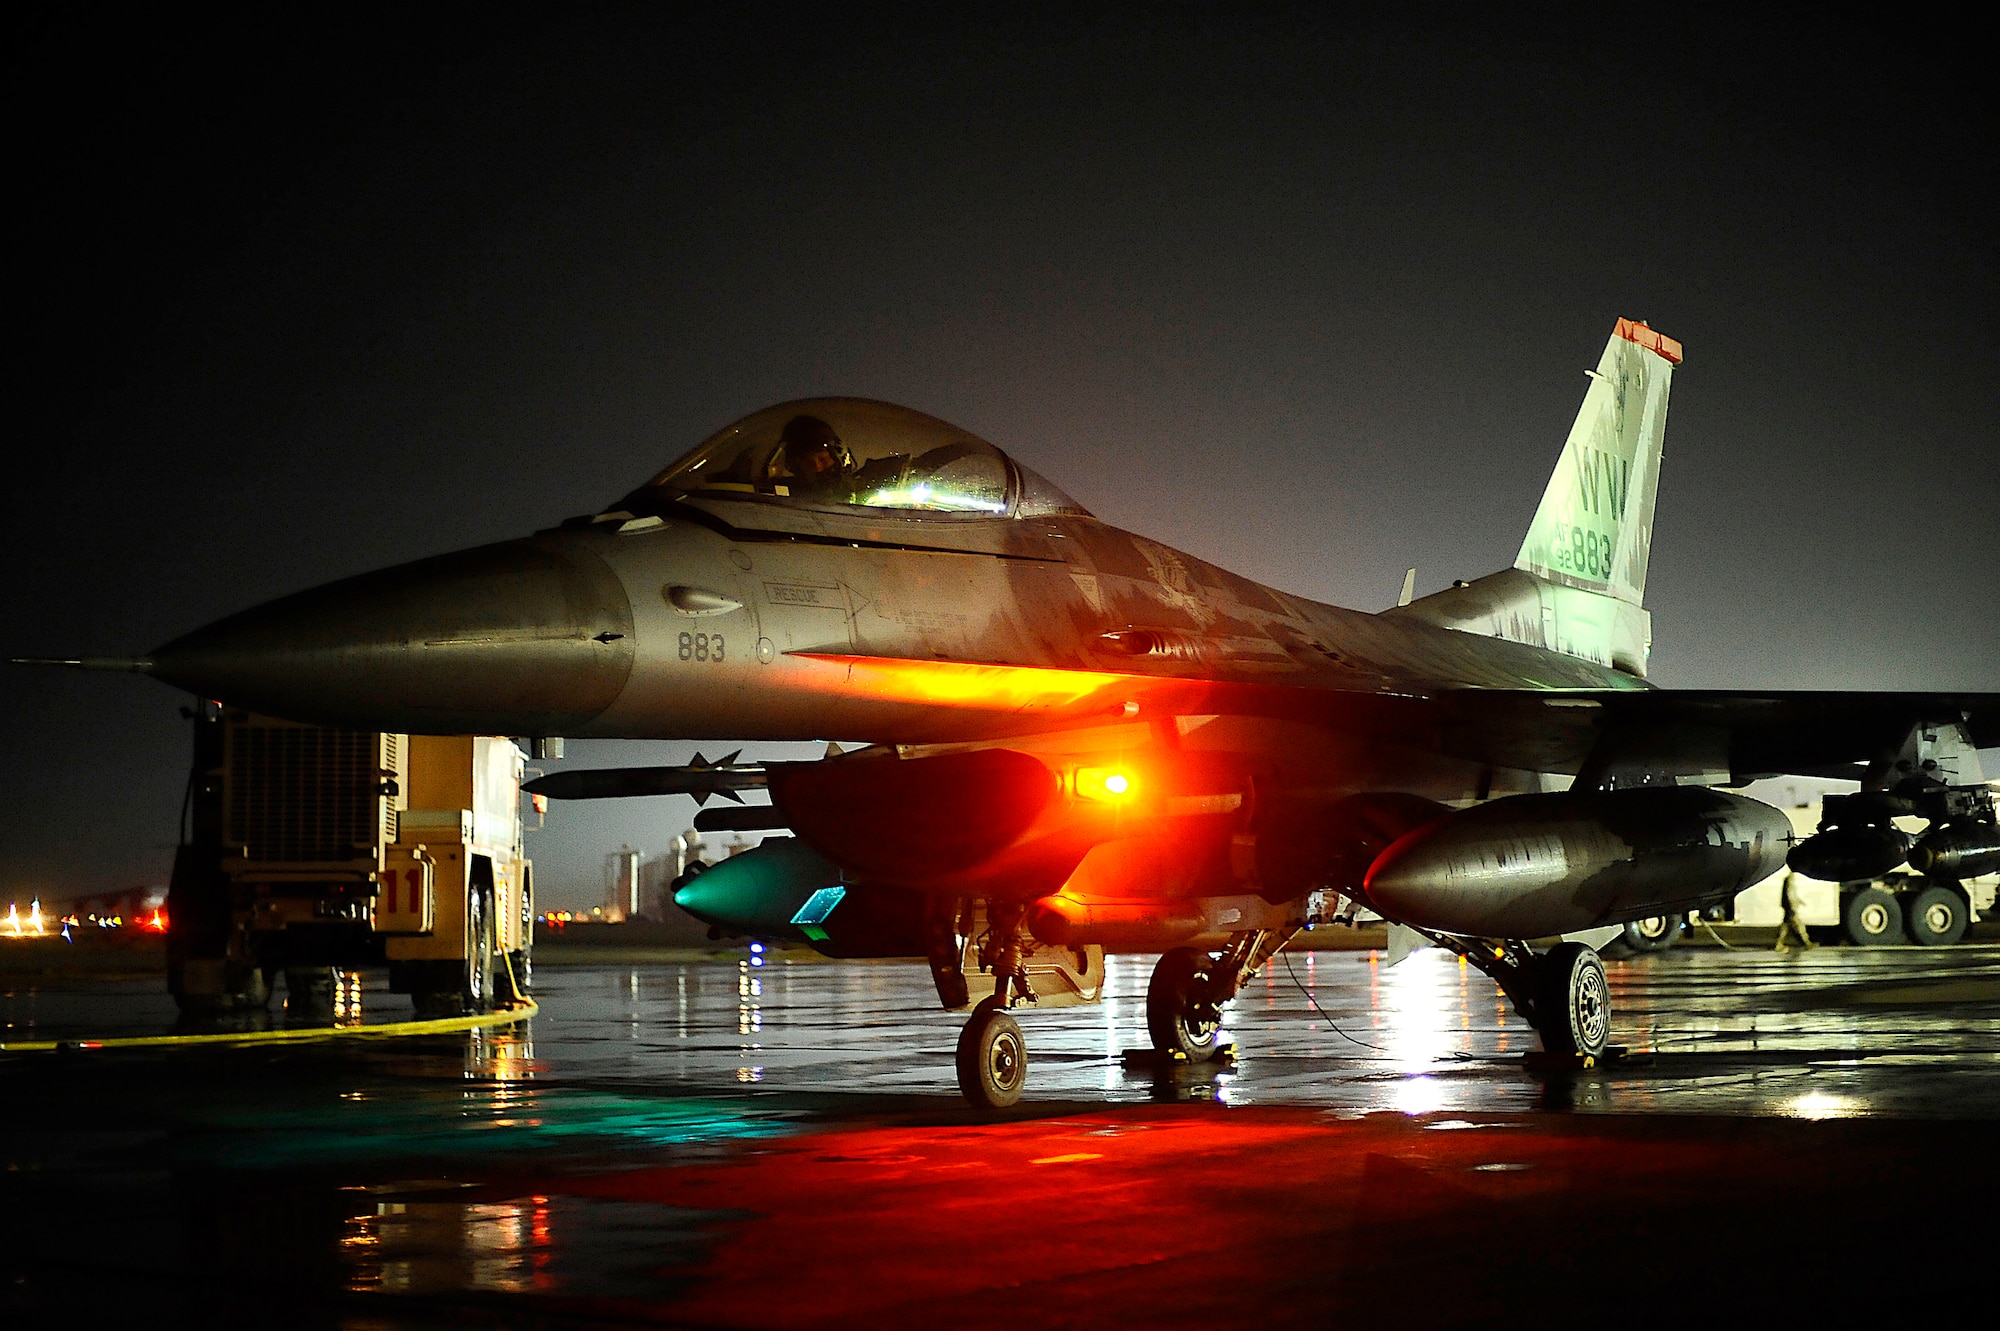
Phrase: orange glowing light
pixel 1109 784
pixel 158 924
pixel 998 688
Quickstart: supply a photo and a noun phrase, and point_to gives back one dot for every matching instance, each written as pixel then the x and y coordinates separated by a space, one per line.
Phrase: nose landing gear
pixel 992 1057
pixel 966 943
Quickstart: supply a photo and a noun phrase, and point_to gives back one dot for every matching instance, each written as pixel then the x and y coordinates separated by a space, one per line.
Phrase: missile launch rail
pixel 313 851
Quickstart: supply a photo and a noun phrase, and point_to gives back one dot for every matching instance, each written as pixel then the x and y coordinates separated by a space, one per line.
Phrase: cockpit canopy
pixel 850 452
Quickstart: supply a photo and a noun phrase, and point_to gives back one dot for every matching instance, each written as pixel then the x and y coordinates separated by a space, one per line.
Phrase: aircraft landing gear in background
pixel 1655 934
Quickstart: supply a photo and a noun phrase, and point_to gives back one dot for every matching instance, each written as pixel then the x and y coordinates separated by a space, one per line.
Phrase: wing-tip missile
pixel 628 782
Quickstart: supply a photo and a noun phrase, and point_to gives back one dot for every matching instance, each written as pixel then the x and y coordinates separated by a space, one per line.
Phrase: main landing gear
pixel 1562 992
pixel 1189 988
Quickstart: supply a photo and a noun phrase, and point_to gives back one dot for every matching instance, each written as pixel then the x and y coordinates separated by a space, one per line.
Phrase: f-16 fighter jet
pixel 1073 739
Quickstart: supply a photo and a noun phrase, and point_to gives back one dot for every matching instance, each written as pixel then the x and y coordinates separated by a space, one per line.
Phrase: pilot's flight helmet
pixel 810 448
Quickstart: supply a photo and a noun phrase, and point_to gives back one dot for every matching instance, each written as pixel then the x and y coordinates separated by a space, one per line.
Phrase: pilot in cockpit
pixel 819 465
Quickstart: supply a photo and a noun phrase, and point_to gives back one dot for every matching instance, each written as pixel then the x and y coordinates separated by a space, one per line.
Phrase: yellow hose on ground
pixel 507 1016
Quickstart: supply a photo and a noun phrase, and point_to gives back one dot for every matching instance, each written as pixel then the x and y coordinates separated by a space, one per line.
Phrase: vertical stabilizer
pixel 1594 530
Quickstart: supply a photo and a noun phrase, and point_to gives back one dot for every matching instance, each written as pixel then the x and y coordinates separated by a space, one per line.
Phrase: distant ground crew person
pixel 1791 926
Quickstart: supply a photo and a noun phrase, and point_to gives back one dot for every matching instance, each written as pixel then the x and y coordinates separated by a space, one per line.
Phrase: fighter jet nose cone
pixel 528 637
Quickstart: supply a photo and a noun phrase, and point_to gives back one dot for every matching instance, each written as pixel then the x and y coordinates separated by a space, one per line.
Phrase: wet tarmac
pixel 723 1144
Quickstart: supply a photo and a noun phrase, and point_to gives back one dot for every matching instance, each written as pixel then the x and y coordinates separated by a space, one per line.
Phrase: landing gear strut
pixel 1562 992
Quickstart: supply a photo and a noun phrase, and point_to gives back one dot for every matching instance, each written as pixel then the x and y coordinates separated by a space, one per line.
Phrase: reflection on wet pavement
pixel 541 1244
pixel 668 1141
pixel 1707 1031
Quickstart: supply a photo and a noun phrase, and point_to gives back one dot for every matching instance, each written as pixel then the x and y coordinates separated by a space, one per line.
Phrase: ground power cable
pixel 289 1035
pixel 1723 942
pixel 1331 1024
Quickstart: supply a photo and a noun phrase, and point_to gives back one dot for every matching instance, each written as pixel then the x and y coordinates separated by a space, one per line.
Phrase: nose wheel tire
pixel 1179 1016
pixel 992 1058
pixel 1574 1002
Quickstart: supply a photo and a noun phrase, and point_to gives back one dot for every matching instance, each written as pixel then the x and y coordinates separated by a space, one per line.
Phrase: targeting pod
pixel 783 891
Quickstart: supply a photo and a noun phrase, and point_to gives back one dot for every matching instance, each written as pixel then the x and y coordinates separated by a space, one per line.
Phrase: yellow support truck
pixel 313 852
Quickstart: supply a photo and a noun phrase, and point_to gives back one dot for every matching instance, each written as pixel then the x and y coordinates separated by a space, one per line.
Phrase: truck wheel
pixel 210 987
pixel 1573 1002
pixel 473 990
pixel 1872 917
pixel 1935 916
pixel 309 992
pixel 479 968
pixel 1655 934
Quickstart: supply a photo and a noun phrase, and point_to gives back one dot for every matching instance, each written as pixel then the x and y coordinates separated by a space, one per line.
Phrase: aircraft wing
pixel 1806 732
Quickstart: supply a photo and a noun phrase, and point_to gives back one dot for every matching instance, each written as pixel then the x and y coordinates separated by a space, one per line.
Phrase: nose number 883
pixel 701 647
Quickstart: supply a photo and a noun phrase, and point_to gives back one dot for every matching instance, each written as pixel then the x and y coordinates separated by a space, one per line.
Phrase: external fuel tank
pixel 1530 866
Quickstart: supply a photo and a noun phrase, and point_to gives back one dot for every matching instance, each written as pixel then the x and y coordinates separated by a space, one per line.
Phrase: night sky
pixel 1307 293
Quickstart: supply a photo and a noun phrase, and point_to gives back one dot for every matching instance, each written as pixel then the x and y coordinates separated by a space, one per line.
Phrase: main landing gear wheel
pixel 1573 1002
pixel 992 1057
pixel 1179 1014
